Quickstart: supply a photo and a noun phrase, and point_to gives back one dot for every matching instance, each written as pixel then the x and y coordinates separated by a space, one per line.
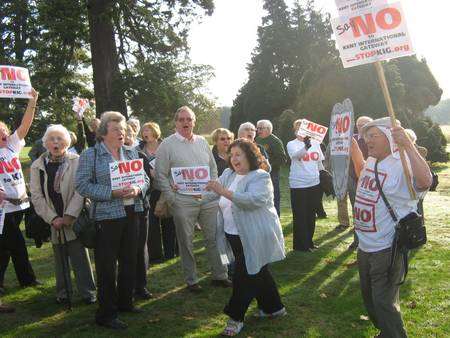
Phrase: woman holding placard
pixel 14 198
pixel 117 214
pixel 304 181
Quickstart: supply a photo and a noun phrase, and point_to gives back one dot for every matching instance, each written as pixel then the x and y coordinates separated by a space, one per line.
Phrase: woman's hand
pixel 216 187
pixel 32 101
pixel 131 192
pixel 2 195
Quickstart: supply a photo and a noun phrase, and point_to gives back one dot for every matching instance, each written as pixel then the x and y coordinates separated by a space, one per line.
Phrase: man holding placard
pixel 184 164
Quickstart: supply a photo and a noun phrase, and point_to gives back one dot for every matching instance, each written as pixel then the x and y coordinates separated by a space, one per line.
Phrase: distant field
pixel 446 131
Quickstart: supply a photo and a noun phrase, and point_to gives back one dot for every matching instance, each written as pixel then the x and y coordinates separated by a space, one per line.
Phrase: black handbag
pixel 410 231
pixel 85 227
pixel 35 227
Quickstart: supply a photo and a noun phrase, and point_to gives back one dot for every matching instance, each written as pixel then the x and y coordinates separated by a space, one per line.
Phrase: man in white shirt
pixel 375 226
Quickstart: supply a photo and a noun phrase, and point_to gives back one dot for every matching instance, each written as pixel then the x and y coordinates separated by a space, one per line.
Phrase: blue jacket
pixel 101 193
pixel 256 219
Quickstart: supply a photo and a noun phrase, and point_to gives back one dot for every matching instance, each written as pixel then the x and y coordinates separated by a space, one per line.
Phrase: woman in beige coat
pixel 56 201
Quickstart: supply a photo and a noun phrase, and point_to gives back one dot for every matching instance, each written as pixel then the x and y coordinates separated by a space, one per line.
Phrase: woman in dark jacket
pixel 222 139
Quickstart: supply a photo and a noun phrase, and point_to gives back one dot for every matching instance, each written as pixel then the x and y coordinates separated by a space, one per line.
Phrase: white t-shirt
pixel 225 205
pixel 11 174
pixel 373 222
pixel 304 171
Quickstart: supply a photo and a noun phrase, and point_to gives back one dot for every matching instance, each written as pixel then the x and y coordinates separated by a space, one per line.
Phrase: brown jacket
pixel 73 202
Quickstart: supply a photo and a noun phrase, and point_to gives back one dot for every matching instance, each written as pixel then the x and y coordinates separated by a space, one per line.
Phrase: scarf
pixel 63 164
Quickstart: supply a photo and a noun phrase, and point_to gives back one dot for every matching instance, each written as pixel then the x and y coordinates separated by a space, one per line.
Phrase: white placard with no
pixel 375 34
pixel 191 180
pixel 126 173
pixel 80 105
pixel 15 82
pixel 314 130
pixel 340 133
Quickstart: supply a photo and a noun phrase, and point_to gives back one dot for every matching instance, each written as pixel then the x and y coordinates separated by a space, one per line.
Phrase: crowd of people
pixel 238 212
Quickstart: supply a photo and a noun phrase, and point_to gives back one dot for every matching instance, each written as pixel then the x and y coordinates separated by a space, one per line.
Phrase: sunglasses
pixel 225 138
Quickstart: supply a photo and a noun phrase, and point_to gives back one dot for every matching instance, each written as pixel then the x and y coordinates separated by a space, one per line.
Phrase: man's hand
pixel 401 138
pixel 2 195
pixel 58 223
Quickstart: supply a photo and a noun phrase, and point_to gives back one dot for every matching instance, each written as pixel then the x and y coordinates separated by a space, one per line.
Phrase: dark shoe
pixel 143 294
pixel 31 284
pixel 131 310
pixel 4 308
pixel 223 283
pixel 322 216
pixel 194 288
pixel 342 227
pixel 61 300
pixel 89 301
pixel 314 247
pixel 2 290
pixel 305 250
pixel 115 324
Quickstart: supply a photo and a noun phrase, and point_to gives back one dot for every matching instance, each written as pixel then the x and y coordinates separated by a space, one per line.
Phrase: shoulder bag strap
pixel 395 247
pixel 94 174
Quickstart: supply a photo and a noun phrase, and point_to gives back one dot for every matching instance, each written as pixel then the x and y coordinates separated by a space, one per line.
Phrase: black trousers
pixel 303 203
pixel 142 252
pixel 12 245
pixel 161 233
pixel 116 242
pixel 247 287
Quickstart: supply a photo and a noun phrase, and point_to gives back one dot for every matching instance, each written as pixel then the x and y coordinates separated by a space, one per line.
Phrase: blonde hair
pixel 296 124
pixel 221 131
pixel 154 127
pixel 3 124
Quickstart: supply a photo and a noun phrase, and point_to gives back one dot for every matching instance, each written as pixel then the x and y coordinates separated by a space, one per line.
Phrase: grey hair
pixel 244 126
pixel 265 124
pixel 184 108
pixel 105 118
pixel 57 128
pixel 135 124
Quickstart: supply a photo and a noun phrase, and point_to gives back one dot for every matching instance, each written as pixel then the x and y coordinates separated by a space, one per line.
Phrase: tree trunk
pixel 108 83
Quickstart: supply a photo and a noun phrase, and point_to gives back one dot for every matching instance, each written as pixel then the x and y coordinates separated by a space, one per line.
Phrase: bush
pixel 430 136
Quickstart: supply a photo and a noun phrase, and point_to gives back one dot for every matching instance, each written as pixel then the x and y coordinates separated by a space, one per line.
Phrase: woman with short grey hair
pixel 56 201
pixel 117 213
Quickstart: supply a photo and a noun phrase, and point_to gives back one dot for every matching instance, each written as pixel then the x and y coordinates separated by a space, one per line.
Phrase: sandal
pixel 233 328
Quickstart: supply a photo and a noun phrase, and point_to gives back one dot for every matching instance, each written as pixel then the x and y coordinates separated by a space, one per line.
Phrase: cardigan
pixel 256 220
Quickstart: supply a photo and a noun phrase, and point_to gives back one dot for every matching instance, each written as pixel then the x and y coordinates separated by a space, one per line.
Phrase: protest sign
pixel 126 173
pixel 314 130
pixel 79 106
pixel 341 133
pixel 375 34
pixel 347 7
pixel 15 82
pixel 191 180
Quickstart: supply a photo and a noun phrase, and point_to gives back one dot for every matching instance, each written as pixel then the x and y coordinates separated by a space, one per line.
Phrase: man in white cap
pixel 374 224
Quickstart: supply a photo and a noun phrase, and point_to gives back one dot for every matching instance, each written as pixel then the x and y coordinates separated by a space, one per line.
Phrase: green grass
pixel 320 290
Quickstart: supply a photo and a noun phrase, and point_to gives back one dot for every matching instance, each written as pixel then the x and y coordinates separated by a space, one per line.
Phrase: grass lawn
pixel 320 290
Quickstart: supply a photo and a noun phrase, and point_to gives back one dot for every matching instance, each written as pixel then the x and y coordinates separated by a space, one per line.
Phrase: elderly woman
pixel 247 130
pixel 249 225
pixel 221 138
pixel 382 174
pixel 56 201
pixel 304 181
pixel 13 193
pixel 117 214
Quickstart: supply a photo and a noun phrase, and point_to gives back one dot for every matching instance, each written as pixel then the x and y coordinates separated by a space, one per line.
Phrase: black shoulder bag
pixel 85 227
pixel 35 227
pixel 410 232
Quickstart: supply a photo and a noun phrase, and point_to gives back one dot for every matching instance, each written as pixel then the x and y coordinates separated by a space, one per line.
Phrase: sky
pixel 227 38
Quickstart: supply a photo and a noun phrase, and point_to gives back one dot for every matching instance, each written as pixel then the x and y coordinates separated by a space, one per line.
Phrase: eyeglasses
pixel 55 139
pixel 250 129
pixel 185 119
pixel 225 139
pixel 368 137
pixel 261 128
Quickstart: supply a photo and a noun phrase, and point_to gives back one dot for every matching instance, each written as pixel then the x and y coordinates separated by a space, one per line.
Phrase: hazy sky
pixel 227 38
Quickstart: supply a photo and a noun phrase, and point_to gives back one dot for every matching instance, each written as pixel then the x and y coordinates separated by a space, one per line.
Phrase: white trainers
pixel 233 328
pixel 280 313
